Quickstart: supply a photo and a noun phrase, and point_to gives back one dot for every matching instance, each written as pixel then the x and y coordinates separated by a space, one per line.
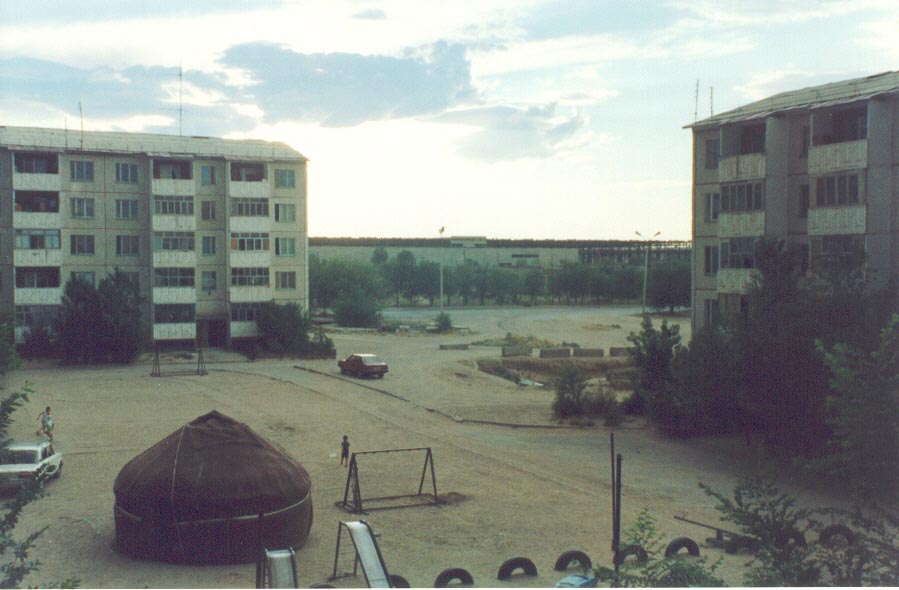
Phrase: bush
pixel 570 385
pixel 444 323
pixel 39 343
pixel 604 403
pixel 653 352
pixel 635 404
pixel 285 329
pixel 354 310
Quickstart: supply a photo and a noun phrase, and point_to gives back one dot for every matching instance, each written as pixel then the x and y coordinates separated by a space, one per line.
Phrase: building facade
pixel 816 168
pixel 208 228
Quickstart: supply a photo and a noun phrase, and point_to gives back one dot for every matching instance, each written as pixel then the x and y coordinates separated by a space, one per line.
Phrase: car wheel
pixel 58 473
pixel 380 375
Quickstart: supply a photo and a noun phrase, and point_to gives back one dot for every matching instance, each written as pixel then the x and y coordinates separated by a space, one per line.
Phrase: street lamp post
pixel 441 274
pixel 645 269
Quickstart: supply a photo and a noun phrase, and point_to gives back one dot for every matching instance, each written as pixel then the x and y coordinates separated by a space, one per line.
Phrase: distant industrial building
pixel 516 254
pixel 816 168
pixel 208 228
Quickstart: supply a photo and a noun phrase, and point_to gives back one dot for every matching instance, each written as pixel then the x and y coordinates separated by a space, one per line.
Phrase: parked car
pixel 363 365
pixel 23 460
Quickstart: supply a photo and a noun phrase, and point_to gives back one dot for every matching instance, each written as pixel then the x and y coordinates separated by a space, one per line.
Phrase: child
pixel 344 450
pixel 46 424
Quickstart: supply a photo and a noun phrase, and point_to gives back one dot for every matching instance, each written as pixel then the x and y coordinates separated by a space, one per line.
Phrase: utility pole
pixel 645 269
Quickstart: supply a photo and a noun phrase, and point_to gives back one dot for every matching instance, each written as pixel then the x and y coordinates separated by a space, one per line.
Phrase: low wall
pixel 454 347
pixel 555 353
pixel 517 350
pixel 620 350
pixel 589 352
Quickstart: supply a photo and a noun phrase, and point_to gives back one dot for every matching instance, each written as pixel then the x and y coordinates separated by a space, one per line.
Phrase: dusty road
pixel 531 491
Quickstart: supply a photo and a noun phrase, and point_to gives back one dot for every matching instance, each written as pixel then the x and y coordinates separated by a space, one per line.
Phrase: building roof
pixel 826 95
pixel 39 138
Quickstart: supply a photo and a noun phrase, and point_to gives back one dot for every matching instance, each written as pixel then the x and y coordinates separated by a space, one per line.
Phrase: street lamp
pixel 645 269
pixel 440 257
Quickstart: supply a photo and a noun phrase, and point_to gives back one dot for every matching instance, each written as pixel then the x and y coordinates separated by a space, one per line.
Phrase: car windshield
pixel 19 457
pixel 371 360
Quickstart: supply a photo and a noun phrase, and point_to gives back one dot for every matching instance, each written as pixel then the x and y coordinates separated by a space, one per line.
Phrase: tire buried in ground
pixel 631 550
pixel 682 543
pixel 510 565
pixel 574 556
pixel 831 533
pixel 398 581
pixel 453 573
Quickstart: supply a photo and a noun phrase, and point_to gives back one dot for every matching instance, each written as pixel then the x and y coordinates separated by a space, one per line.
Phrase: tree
pixel 653 352
pixel 427 280
pixel 401 273
pixel 534 283
pixel 669 285
pixel 8 358
pixel 285 330
pixel 502 283
pixel 570 384
pixel 379 256
pixel 78 321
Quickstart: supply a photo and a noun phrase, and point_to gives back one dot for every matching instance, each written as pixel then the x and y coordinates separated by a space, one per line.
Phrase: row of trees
pixel 344 285
pixel 808 369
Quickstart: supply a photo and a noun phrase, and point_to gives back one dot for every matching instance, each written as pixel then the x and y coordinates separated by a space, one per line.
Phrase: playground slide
pixel 368 554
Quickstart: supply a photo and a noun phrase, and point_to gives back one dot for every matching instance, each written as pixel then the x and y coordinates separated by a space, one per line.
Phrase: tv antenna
pixel 696 102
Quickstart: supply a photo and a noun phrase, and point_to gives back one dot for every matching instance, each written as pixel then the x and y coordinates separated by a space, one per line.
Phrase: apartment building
pixel 817 168
pixel 208 228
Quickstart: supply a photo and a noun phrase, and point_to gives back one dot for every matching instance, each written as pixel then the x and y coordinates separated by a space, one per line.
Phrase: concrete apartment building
pixel 209 228
pixel 816 167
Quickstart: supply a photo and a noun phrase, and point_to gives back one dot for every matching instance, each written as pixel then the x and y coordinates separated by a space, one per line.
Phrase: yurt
pixel 211 492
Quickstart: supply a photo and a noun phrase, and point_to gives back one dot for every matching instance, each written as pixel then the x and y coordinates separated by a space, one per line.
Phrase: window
pixel 127 245
pixel 126 173
pixel 133 277
pixel 82 244
pixel 36 316
pixel 285 280
pixel 85 276
pixel 82 208
pixel 37 277
pixel 207 210
pixel 37 202
pixel 712 206
pixel 245 312
pixel 711 311
pixel 285 213
pixel 173 277
pixel 839 125
pixel 208 245
pixel 126 209
pixel 181 241
pixel 208 281
pixel 286 247
pixel 838 189
pixel 207 175
pixel 803 201
pixel 37 163
pixel 837 249
pixel 82 170
pixel 752 139
pixel 285 178
pixel 174 169
pixel 712 151
pixel 171 205
pixel 36 239
pixel 246 277
pixel 249 207
pixel 174 313
pixel 742 196
pixel 711 260
pixel 250 242
pixel 804 141
pixel 247 172
pixel 737 253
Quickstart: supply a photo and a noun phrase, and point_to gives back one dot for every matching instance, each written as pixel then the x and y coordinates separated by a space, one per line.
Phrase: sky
pixel 499 118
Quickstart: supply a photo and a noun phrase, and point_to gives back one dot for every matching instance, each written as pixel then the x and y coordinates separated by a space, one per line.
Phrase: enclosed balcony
pixel 248 179
pixel 173 177
pixel 36 171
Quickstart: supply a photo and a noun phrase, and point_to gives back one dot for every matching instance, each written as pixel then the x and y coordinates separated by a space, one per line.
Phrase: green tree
pixel 503 283
pixel 570 384
pixel 653 352
pixel 379 256
pixel 78 321
pixel 863 408
pixel 8 358
pixel 427 280
pixel 534 283
pixel 120 322
pixel 354 309
pixel 401 273
pixel 669 285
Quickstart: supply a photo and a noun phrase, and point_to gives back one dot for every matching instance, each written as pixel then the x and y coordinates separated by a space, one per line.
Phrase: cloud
pixel 345 89
pixel 511 133
pixel 371 14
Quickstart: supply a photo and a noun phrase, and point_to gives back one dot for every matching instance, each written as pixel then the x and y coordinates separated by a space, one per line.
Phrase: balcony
pixel 27 219
pixel 250 223
pixel 259 189
pixel 742 224
pixel 735 280
pixel 26 181
pixel 742 167
pixel 162 295
pixel 48 257
pixel 45 296
pixel 174 222
pixel 177 187
pixel 833 157
pixel 182 331
pixel 244 329
pixel 842 220
pixel 256 258
pixel 250 294
pixel 174 258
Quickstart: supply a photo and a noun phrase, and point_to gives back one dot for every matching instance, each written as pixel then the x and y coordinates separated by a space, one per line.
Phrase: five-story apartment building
pixel 817 168
pixel 208 228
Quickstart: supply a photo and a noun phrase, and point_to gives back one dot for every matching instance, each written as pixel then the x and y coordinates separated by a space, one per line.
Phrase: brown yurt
pixel 196 496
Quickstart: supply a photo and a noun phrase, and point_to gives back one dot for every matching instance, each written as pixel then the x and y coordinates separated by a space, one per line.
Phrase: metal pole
pixel 441 286
pixel 645 275
pixel 612 461
pixel 617 513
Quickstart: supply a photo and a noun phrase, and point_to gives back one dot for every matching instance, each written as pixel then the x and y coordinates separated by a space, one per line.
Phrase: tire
pixel 454 573
pixel 566 559
pixel 682 543
pixel 58 473
pixel 734 545
pixel 380 375
pixel 629 550
pixel 510 565
pixel 398 581
pixel 834 532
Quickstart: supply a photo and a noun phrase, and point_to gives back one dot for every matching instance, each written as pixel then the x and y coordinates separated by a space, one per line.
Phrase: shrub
pixel 39 343
pixel 570 385
pixel 635 404
pixel 355 310
pixel 444 323
pixel 653 352
pixel 604 403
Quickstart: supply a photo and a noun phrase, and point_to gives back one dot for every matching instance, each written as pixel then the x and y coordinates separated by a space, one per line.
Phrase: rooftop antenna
pixel 180 101
pixel 696 102
pixel 81 113
pixel 65 122
pixel 711 101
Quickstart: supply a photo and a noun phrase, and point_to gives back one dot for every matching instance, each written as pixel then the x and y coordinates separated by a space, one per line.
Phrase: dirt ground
pixel 534 490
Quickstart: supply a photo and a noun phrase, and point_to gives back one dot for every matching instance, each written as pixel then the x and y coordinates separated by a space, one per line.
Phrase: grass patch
pixel 513 340
pixel 497 368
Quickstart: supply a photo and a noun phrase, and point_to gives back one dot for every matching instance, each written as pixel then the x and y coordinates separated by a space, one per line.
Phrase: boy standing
pixel 344 450
pixel 46 423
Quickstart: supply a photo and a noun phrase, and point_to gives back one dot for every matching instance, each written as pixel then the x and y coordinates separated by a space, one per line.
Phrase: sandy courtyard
pixel 528 491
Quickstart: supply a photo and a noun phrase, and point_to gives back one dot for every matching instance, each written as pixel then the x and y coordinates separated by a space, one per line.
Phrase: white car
pixel 22 460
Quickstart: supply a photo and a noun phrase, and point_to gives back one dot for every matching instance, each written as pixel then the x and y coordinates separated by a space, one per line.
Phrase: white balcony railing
pixel 174 258
pixel 745 224
pixel 174 295
pixel 37 257
pixel 50 296
pixel 173 186
pixel 743 167
pixel 33 220
pixel 823 221
pixel 254 223
pixel 735 280
pixel 183 331
pixel 259 258
pixel 174 222
pixel 244 329
pixel 847 155
pixel 252 190
pixel 24 181
pixel 238 294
